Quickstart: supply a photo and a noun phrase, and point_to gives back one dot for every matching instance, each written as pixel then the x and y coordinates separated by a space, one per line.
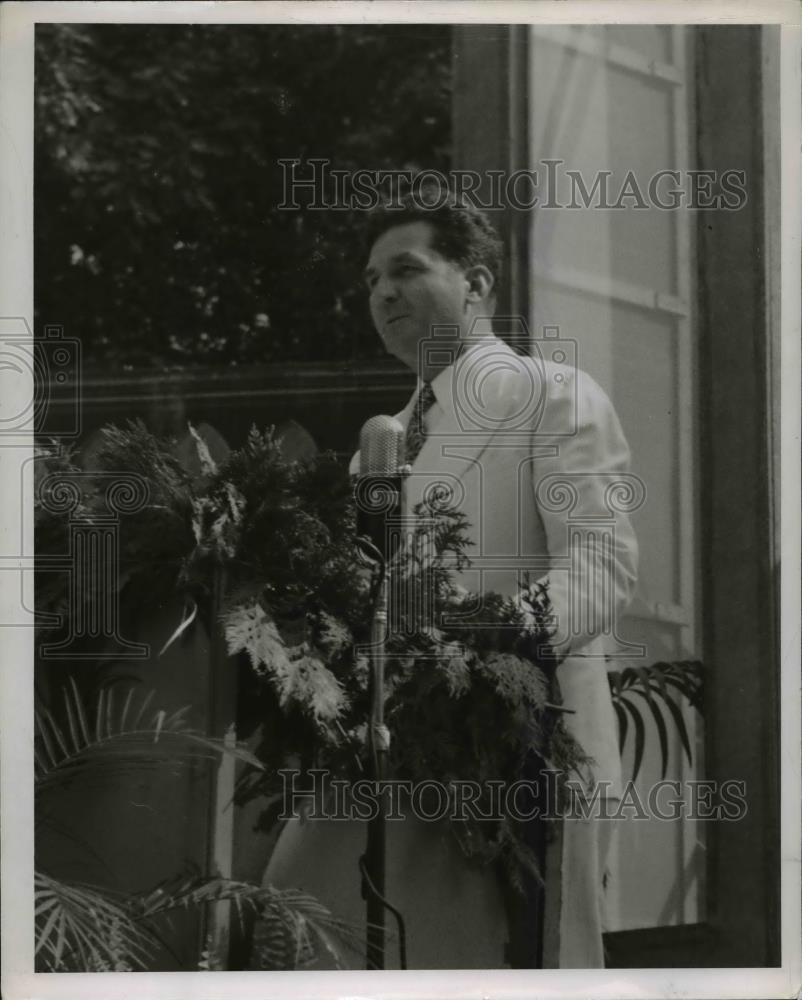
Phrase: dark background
pixel 158 242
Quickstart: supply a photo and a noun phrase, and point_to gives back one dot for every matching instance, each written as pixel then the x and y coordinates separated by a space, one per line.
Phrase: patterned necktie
pixel 416 429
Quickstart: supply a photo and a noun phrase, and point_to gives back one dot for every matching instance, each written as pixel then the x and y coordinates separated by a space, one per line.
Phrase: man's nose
pixel 385 289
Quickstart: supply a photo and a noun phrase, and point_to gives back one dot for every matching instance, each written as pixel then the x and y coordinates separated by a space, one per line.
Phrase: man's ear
pixel 480 283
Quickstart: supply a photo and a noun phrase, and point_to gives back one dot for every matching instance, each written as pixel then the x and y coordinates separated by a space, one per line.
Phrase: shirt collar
pixel 443 382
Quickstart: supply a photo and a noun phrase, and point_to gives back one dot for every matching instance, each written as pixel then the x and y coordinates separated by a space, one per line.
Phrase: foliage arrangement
pixel 173 134
pixel 265 550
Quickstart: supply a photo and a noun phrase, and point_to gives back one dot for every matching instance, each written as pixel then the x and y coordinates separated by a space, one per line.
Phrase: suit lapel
pixel 459 437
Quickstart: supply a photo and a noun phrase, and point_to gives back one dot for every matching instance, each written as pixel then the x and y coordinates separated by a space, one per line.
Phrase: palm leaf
pixel 684 676
pixel 73 924
pixel 295 917
pixel 688 685
pixel 640 734
pixel 44 739
pixel 83 734
pixel 73 921
pixel 657 675
pixel 679 721
pixel 622 725
pixel 688 677
pixel 109 743
pixel 660 723
pixel 643 676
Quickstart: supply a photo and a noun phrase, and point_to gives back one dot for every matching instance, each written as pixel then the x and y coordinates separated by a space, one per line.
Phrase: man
pixel 532 453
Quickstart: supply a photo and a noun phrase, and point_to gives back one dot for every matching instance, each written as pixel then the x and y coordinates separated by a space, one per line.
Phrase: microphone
pixel 378 488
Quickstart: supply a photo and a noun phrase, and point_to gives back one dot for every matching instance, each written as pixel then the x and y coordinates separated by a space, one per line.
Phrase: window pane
pixel 612 271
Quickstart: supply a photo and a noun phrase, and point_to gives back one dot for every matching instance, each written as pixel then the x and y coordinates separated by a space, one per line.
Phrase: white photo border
pixel 17 23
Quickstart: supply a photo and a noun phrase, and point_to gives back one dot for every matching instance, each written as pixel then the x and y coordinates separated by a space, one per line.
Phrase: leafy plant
pixel 117 735
pixel 654 686
pixel 264 551
pixel 265 554
pixel 298 925
pixel 87 928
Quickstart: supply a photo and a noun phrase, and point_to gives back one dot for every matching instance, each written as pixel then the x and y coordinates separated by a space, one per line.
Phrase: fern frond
pixel 296 673
pixel 207 463
pixel 248 628
pixel 457 674
pixel 517 681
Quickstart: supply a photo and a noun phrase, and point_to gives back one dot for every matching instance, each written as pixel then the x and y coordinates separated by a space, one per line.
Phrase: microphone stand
pixel 372 864
pixel 378 745
pixel 381 469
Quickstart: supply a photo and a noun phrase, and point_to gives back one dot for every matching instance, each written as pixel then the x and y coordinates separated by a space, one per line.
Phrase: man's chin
pixel 406 357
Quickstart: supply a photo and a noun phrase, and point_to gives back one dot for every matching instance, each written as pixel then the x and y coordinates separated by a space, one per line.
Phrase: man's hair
pixel 460 231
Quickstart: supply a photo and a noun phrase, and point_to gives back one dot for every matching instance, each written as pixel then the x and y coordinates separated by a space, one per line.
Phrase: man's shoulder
pixel 517 381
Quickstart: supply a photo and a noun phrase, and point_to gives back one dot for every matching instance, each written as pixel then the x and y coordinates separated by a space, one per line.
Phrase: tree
pixel 158 237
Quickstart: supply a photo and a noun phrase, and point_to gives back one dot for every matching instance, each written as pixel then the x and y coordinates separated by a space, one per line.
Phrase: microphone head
pixel 381 447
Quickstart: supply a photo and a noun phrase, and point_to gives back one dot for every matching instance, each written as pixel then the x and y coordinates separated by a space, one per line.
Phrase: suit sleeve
pixel 583 494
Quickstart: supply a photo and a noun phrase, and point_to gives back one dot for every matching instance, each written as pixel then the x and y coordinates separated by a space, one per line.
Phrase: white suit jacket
pixel 533 453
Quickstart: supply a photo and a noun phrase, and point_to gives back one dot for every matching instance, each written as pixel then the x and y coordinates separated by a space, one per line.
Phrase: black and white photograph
pixel 399 434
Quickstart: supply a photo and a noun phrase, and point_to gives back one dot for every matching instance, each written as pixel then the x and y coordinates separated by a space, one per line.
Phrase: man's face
pixel 413 289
